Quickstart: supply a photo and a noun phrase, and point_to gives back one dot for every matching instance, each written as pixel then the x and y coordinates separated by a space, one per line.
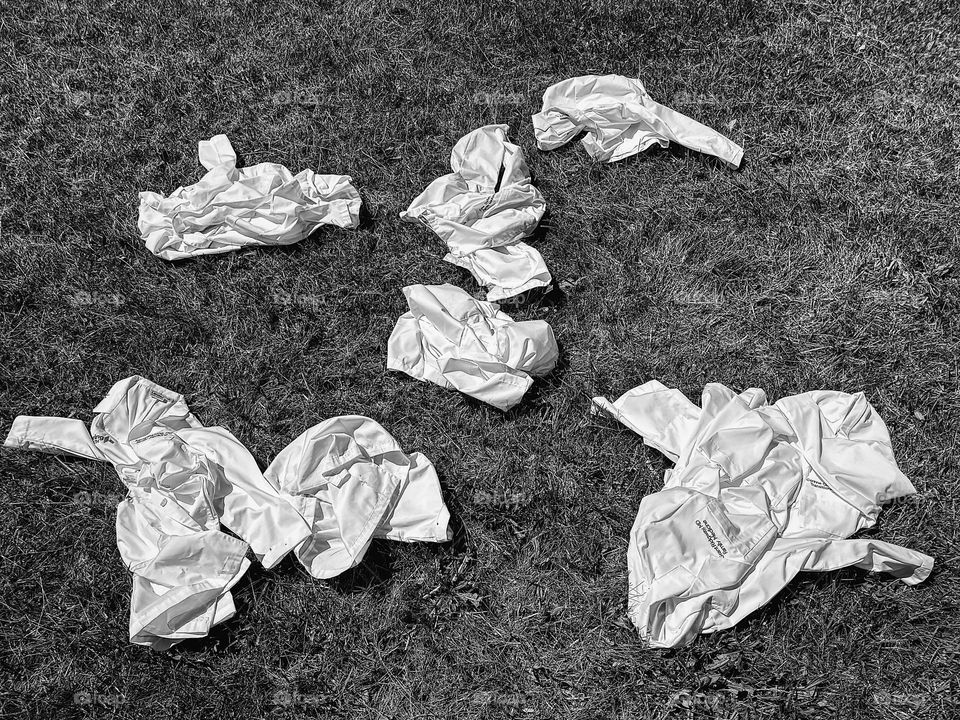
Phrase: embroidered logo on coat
pixel 718 547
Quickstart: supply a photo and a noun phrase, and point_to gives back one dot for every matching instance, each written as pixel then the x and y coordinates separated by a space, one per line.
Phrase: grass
pixel 831 260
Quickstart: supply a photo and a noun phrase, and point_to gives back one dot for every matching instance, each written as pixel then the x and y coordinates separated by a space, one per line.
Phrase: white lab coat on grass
pixel 351 481
pixel 483 210
pixel 455 341
pixel 231 208
pixel 325 496
pixel 758 494
pixel 620 119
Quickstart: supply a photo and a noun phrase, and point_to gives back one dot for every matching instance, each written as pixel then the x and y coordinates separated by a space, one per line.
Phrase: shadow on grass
pixel 541 386
pixel 678 151
pixel 802 583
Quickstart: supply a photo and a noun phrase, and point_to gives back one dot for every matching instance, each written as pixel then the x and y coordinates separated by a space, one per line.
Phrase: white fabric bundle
pixel 337 486
pixel 482 211
pixel 455 341
pixel 758 494
pixel 230 208
pixel 621 120
pixel 352 482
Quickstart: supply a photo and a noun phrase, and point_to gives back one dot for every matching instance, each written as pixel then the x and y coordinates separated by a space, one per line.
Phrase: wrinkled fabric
pixel 758 494
pixel 231 208
pixel 337 486
pixel 183 480
pixel 351 481
pixel 483 210
pixel 620 120
pixel 455 341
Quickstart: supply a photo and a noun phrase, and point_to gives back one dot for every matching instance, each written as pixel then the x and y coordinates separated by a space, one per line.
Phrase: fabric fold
pixel 483 210
pixel 231 208
pixel 759 493
pixel 455 341
pixel 620 119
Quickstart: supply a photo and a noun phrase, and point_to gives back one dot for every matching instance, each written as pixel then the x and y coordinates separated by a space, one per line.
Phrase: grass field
pixel 831 260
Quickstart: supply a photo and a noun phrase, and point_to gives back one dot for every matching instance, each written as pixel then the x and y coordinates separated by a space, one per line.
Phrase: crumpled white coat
pixel 338 485
pixel 620 120
pixel 230 208
pixel 455 341
pixel 483 210
pixel 758 494
pixel 352 483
